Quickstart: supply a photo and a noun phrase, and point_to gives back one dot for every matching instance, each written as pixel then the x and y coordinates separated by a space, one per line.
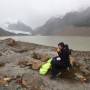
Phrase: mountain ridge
pixel 73 23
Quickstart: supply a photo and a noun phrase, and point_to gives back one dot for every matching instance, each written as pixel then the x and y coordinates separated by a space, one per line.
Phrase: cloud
pixel 36 12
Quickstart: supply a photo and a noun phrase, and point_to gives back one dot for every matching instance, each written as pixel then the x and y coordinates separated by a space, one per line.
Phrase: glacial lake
pixel 75 42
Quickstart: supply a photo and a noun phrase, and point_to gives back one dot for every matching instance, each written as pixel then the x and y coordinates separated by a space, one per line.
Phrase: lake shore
pixel 79 43
pixel 15 54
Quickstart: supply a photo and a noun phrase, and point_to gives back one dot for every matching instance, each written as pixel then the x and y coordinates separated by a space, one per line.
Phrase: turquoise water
pixel 74 42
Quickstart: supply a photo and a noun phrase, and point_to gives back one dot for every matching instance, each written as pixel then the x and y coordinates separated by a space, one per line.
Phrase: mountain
pixel 73 23
pixel 5 33
pixel 18 28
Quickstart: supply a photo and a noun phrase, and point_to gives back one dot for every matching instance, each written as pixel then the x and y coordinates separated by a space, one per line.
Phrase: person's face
pixel 59 46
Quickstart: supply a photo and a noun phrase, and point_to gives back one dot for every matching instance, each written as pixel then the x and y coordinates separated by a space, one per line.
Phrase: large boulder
pixel 45 57
pixel 35 64
pixel 40 56
pixel 10 42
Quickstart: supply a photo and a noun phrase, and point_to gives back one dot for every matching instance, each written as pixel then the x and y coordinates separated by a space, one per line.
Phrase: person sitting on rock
pixel 60 62
pixel 56 61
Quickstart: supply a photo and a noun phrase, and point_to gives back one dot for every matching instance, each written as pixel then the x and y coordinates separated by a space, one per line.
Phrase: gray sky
pixel 36 12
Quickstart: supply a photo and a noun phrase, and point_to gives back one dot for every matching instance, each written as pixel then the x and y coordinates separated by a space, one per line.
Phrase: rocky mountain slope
pixel 17 27
pixel 5 33
pixel 73 23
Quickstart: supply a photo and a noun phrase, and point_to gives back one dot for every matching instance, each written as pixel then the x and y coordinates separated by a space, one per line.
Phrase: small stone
pixel 2 64
pixel 0 54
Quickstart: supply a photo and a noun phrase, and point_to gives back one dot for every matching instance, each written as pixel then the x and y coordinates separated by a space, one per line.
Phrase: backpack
pixel 45 67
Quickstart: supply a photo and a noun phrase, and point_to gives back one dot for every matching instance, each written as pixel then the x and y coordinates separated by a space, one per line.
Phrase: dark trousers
pixel 54 71
pixel 56 67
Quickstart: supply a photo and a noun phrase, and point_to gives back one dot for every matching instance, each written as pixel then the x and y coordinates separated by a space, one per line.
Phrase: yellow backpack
pixel 45 67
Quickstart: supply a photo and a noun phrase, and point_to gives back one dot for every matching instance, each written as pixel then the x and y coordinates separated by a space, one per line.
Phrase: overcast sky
pixel 36 12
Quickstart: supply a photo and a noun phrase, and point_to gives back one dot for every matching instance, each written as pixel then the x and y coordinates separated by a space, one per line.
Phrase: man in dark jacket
pixel 56 61
pixel 60 62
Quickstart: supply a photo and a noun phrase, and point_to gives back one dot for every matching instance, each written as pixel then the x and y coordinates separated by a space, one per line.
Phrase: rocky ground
pixel 20 63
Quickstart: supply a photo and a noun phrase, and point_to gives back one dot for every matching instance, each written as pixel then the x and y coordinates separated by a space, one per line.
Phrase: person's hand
pixel 58 50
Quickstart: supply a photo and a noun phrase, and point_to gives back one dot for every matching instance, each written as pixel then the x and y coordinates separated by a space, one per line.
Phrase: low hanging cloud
pixel 36 12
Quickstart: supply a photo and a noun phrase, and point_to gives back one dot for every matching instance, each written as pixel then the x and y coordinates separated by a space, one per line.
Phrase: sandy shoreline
pixel 12 52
